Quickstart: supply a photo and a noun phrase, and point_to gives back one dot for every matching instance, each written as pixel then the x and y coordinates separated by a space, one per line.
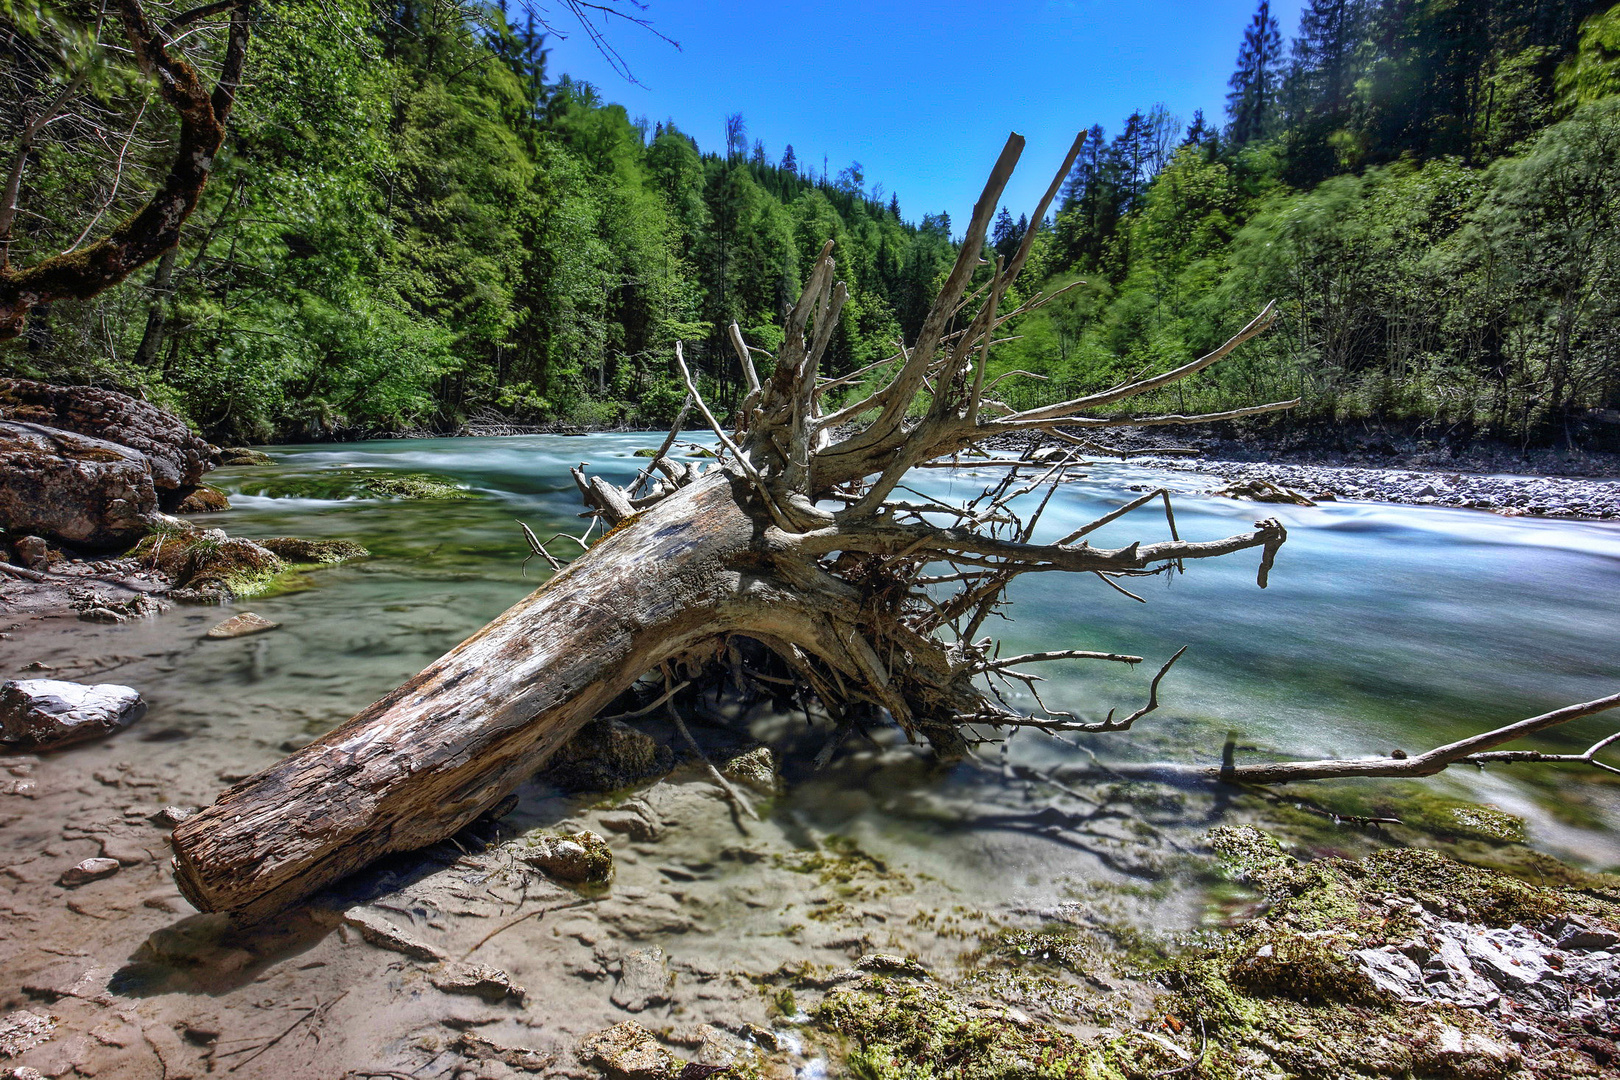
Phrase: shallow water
pixel 1383 625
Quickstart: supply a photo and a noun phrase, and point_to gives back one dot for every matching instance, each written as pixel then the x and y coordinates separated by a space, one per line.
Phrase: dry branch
pixel 740 552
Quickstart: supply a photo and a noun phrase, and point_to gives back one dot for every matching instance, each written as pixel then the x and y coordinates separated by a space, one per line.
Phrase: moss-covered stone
pixel 207 566
pixel 313 552
pixel 916 1030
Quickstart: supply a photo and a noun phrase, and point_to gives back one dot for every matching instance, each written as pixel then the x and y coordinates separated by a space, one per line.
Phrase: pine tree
pixel 1324 55
pixel 1255 82
pixel 736 136
pixel 894 206
pixel 790 161
pixel 1005 234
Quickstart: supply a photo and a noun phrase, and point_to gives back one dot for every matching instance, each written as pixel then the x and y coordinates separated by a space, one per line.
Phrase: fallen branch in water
pixel 1474 750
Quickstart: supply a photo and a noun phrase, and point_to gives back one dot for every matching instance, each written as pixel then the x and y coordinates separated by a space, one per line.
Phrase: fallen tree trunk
pixel 745 550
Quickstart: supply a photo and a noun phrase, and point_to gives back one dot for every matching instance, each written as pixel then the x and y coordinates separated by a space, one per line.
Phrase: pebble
pixel 241 626
pixel 385 935
pixel 88 871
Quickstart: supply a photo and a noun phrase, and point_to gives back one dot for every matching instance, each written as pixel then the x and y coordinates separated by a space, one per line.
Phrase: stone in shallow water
pixel 628 1051
pixel 645 980
pixel 241 626
pixel 88 871
pixel 48 713
pixel 581 856
pixel 489 983
pixel 22 1029
pixel 385 935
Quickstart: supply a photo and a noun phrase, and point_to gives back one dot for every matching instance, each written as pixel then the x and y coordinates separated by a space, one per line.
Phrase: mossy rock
pixel 207 566
pixel 241 455
pixel 203 499
pixel 313 552
pixel 359 484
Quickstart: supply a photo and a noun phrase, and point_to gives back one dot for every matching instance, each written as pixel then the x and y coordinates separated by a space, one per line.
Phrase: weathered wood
pixel 430 757
pixel 745 549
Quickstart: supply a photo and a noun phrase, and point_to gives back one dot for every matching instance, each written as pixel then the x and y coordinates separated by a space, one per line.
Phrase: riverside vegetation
pixel 416 225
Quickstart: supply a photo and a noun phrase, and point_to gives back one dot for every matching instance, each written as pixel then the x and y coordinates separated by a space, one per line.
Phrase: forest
pixel 415 225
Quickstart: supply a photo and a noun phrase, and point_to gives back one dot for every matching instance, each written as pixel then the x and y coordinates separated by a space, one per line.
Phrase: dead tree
pixel 795 539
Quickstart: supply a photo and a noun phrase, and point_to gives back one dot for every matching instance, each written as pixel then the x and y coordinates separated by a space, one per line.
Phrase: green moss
pixel 356 484
pixel 917 1031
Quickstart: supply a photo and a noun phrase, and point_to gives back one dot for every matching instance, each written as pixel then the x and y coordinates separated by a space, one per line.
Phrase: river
pixel 1384 626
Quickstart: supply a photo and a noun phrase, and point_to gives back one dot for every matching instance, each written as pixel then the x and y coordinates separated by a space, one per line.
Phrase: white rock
pixel 48 713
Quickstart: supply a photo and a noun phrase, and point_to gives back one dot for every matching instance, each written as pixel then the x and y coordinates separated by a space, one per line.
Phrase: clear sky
pixel 922 92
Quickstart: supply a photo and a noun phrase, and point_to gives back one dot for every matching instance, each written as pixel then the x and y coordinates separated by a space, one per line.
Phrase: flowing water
pixel 1383 626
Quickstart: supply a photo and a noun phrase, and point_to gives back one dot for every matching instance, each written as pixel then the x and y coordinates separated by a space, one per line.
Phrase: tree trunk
pixel 427 759
pixel 746 549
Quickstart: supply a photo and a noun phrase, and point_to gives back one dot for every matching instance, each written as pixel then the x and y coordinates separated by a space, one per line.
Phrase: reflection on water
pixel 1384 626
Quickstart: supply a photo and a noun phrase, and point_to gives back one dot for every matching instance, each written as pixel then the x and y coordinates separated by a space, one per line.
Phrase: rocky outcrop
pixel 72 488
pixel 178 457
pixel 44 714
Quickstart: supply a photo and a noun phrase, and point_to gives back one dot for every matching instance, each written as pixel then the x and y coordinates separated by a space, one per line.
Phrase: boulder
pixel 576 857
pixel 73 489
pixel 203 499
pixel 44 714
pixel 178 458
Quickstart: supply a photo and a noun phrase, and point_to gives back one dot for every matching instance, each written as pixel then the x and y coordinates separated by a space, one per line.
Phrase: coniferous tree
pixel 790 160
pixel 1256 81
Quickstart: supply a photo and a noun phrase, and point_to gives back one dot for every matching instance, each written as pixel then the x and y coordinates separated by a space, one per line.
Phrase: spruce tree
pixel 1255 82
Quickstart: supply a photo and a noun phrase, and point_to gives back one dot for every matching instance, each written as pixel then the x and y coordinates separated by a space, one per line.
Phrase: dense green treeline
pixel 410 225
pixel 1430 189
pixel 413 224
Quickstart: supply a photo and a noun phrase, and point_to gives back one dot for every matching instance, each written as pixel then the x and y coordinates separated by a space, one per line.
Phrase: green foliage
pixel 410 224
pixel 1441 250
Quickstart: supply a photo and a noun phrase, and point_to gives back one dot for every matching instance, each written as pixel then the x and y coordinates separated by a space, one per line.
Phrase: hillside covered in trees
pixel 412 223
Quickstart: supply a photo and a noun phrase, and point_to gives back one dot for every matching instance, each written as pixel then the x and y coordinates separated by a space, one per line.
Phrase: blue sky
pixel 922 93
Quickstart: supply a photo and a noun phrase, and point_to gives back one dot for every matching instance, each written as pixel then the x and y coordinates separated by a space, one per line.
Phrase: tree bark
pixel 427 759
pixel 746 549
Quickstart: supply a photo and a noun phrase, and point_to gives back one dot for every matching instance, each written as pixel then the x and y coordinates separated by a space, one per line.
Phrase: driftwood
pixel 1476 750
pixel 744 553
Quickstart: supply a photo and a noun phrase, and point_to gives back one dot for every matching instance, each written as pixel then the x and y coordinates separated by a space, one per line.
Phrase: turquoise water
pixel 1384 626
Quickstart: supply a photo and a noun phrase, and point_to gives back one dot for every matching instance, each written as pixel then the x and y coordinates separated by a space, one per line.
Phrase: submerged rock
pixel 22 1029
pixel 491 984
pixel 756 768
pixel 73 489
pixel 628 1051
pixel 241 626
pixel 87 871
pixel 44 714
pixel 608 754
pixel 241 455
pixel 644 980
pixel 383 934
pixel 573 857
pixel 295 550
